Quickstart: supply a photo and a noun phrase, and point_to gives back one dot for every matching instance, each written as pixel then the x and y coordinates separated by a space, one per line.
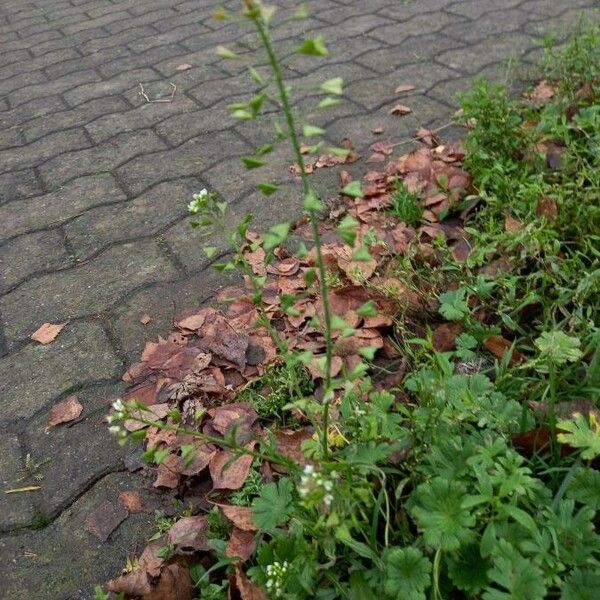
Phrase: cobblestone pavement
pixel 94 182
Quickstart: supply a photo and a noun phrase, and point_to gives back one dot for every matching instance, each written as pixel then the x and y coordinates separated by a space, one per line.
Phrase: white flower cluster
pixel 276 572
pixel 315 484
pixel 198 202
pixel 117 417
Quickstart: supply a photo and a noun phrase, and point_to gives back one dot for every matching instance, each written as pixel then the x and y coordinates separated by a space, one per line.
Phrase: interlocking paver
pixel 94 181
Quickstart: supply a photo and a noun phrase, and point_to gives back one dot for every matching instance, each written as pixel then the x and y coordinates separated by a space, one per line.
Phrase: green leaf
pixel 256 75
pixel 312 202
pixel 343 534
pixel 251 162
pixel 267 188
pixel 362 254
pixel 328 102
pixel 407 574
pixel 264 149
pixel 256 103
pixel 347 229
pixel 436 508
pixel 581 432
pixel 311 131
pixel 581 585
pixel 313 47
pixel 342 152
pixel 267 13
pixel 520 516
pixel 242 114
pixel 368 309
pixel 273 505
pixel 353 189
pixel 468 570
pixel 514 577
pixel 225 53
pixel 210 251
pixel 558 348
pixel 333 86
pixel 453 305
pixel 585 487
pixel 276 236
pixel 368 352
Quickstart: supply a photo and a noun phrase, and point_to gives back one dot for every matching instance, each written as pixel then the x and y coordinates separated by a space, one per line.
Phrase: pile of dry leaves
pixel 211 355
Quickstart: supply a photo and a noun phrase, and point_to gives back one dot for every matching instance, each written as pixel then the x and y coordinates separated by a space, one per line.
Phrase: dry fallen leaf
pixel 105 519
pixel 240 516
pixel 241 544
pixel 66 410
pixel 183 67
pixel 189 535
pixel 499 346
pixel 407 87
pixel 542 93
pixel 47 333
pixel 546 207
pixel 377 130
pixel 145 319
pixel 400 110
pixel 229 474
pixel 247 590
pixel 512 225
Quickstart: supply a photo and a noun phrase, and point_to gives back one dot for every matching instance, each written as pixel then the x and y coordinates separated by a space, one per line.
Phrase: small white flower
pixel 115 429
pixel 110 419
pixel 309 469
pixel 328 500
pixel 328 485
pixel 118 405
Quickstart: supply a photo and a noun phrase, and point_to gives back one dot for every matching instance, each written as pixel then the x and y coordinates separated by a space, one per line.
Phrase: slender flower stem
pixel 314 219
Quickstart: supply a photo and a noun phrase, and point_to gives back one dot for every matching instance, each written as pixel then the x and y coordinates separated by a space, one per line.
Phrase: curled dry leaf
pixel 189 535
pixel 202 456
pixel 542 93
pixel 512 225
pixel 65 411
pixel 400 110
pixel 405 87
pixel 47 332
pixel 183 67
pixel 444 336
pixel 145 319
pixel 499 346
pixel 156 412
pixel 546 207
pixel 169 472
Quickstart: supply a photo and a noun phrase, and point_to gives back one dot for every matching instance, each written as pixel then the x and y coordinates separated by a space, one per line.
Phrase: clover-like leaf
pixel 581 432
pixel 558 348
pixel 353 189
pixel 273 505
pixel 313 47
pixel 333 86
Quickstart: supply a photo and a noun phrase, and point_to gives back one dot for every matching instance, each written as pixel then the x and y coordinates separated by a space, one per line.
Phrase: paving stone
pixel 102 157
pixel 107 107
pixel 145 115
pixel 57 86
pixel 112 17
pixel 91 60
pixel 108 87
pixel 21 79
pixel 189 159
pixel 475 8
pixel 108 41
pixel 34 64
pixel 145 215
pixel 16 510
pixel 65 203
pixel 490 25
pixel 88 289
pixel 31 110
pixel 161 39
pixel 36 374
pixel 473 58
pixel 164 301
pixel 552 8
pixel 70 41
pixel 28 254
pixel 41 150
pixel 155 16
pixel 18 184
pixel 144 59
pixel 74 454
pixel 63 561
pixel 10 138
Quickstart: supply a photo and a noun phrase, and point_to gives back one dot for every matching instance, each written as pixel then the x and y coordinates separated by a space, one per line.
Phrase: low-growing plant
pixel 457 482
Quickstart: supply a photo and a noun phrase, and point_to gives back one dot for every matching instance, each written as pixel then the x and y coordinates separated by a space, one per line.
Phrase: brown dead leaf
pixel 202 456
pixel 499 346
pixel 228 345
pixel 183 67
pixel 65 411
pixel 512 225
pixel 245 588
pixel 145 319
pixel 240 516
pixel 289 443
pixel 131 500
pixel 105 519
pixel 546 207
pixel 241 544
pixel 155 412
pixel 169 472
pixel 542 93
pixel 229 473
pixel 47 332
pixel 384 147
pixel 405 87
pixel 316 372
pixel 400 110
pixel 175 583
pixel 192 322
pixel 444 336
pixel 189 535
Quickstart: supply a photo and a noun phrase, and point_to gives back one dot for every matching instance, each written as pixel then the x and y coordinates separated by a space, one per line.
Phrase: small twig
pixel 142 93
pixel 29 488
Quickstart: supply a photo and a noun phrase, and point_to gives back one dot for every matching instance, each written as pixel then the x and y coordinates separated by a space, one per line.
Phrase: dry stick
pixel 29 488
